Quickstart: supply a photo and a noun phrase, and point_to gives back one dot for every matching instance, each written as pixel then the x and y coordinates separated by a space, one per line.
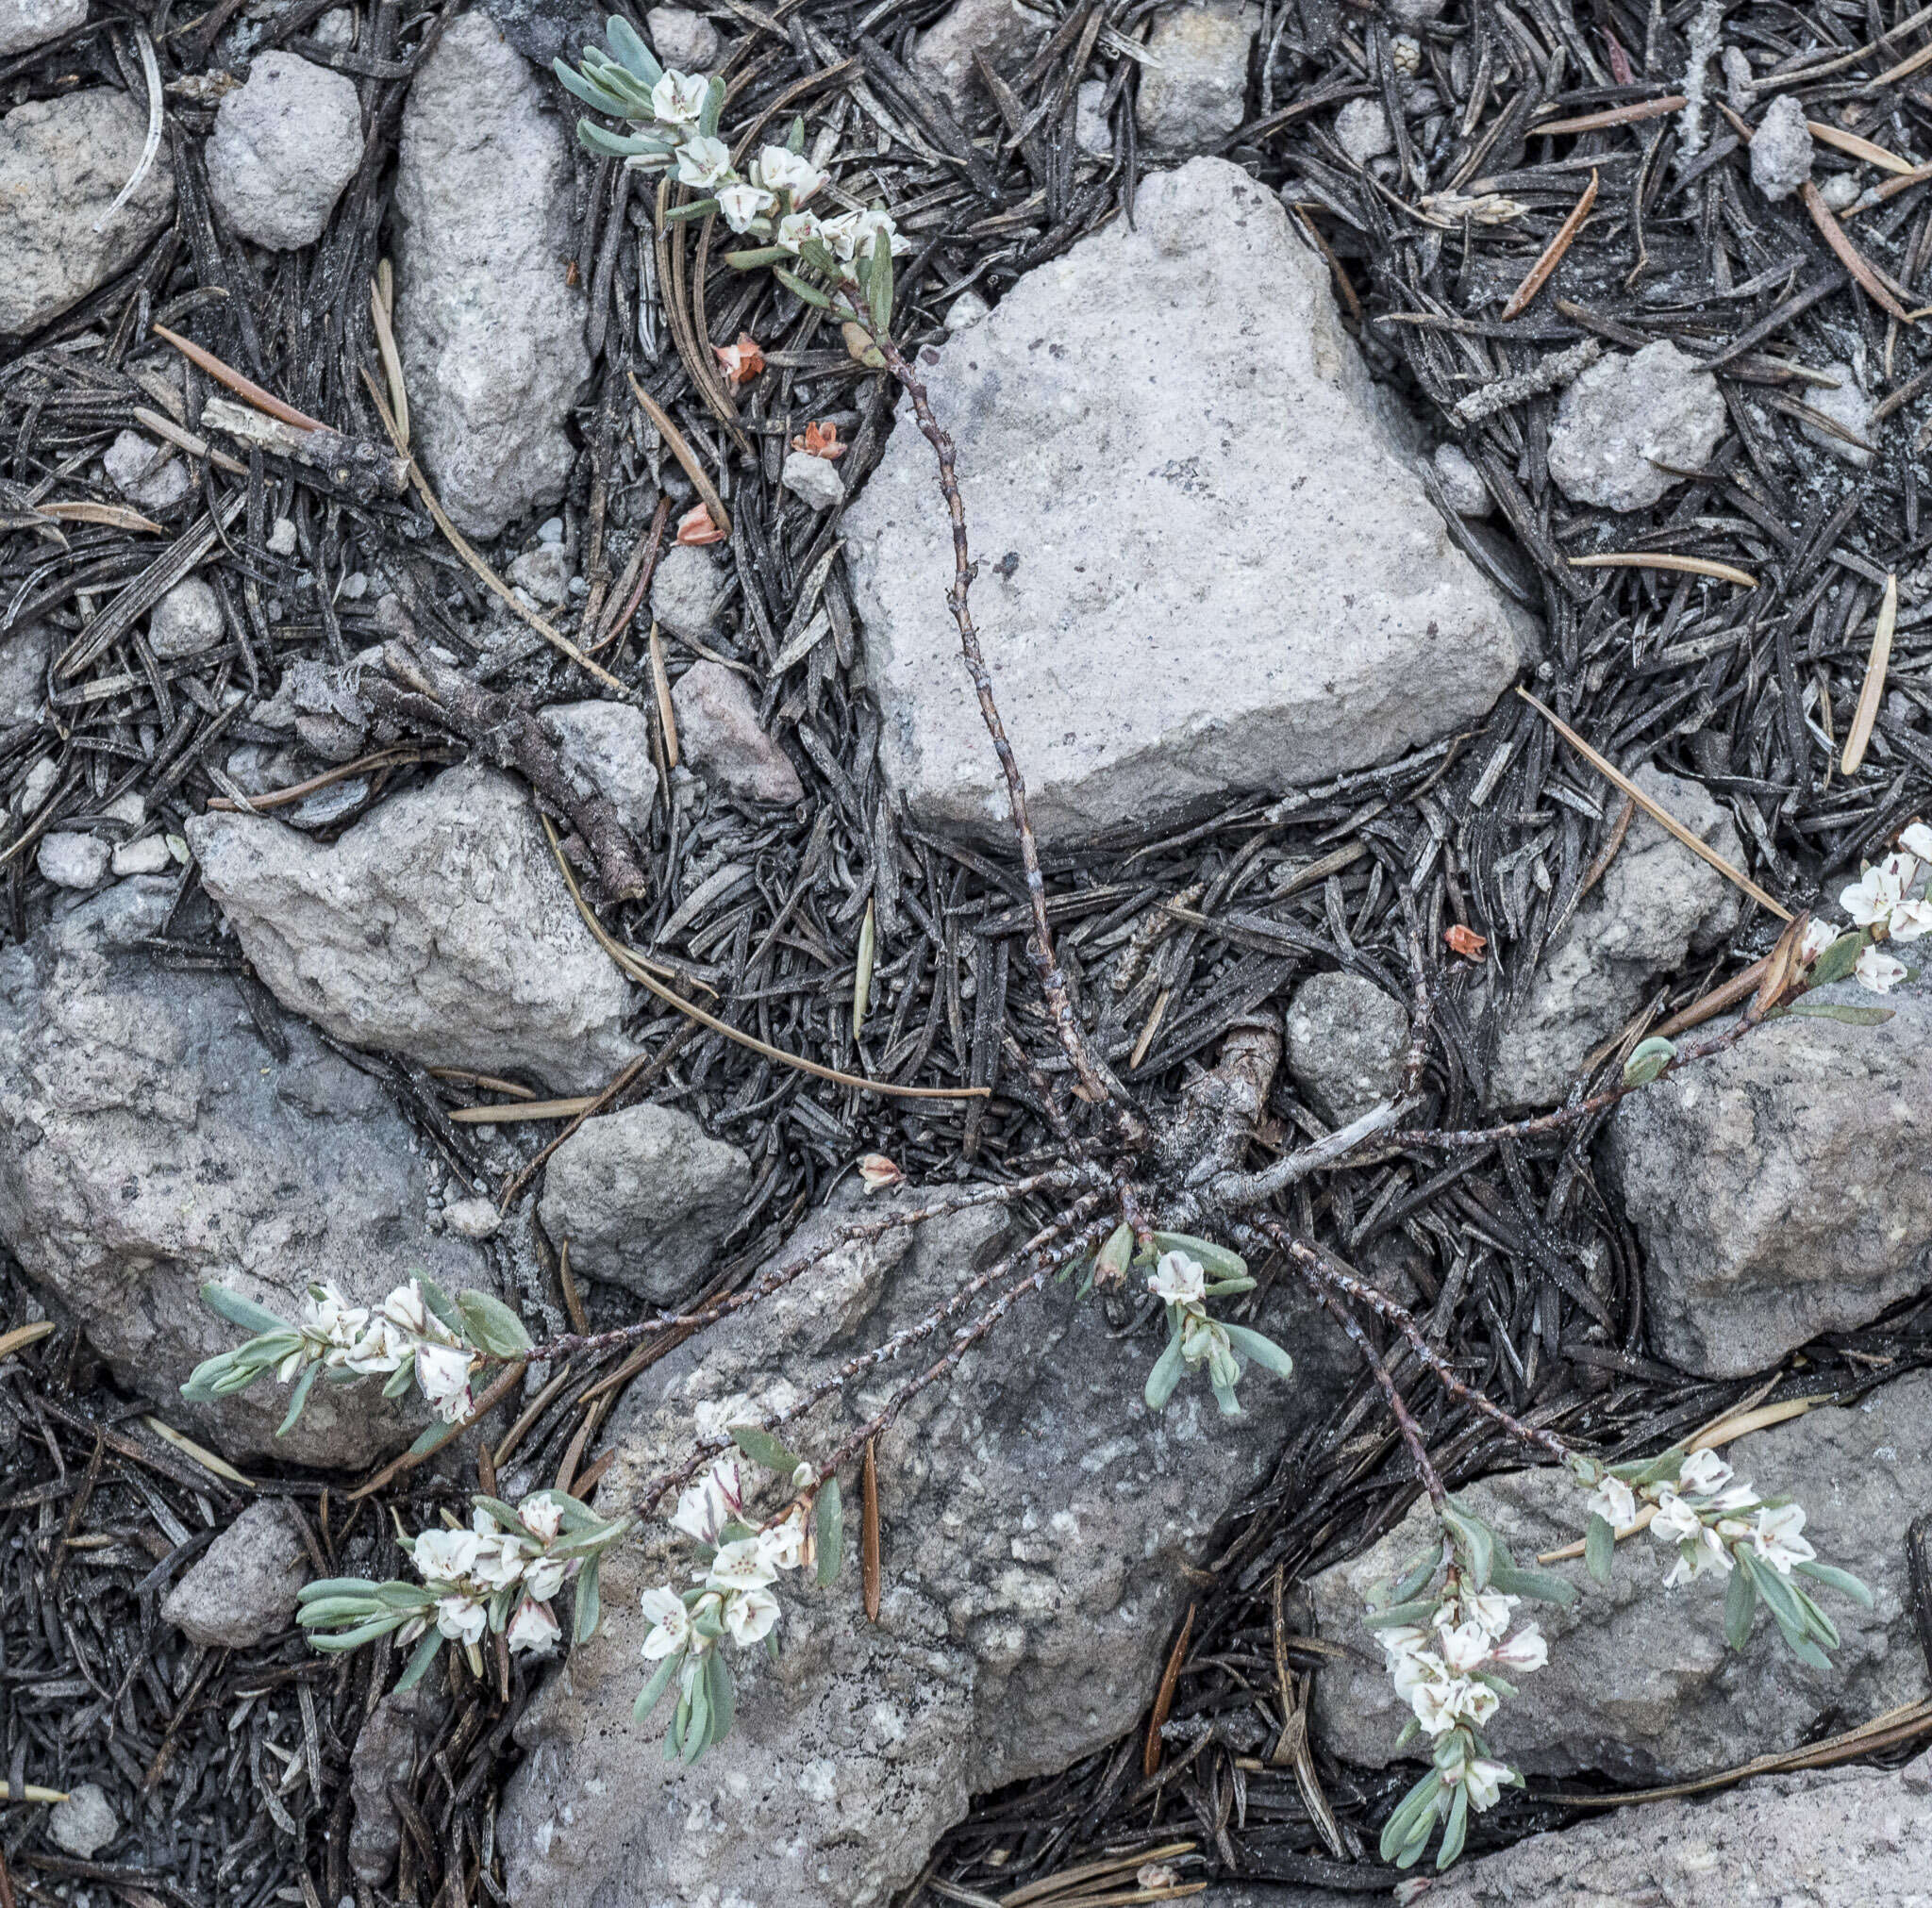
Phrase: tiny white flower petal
pixel 1614 1501
pixel 749 1617
pixel 1917 840
pixel 1703 1473
pixel 533 1628
pixel 1878 972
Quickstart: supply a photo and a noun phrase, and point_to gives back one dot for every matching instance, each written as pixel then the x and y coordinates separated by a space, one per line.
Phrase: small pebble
pixel 149 855
pixel 281 538
pixel 1462 484
pixel 473 1219
pixel 1363 130
pixel 549 530
pixel 355 587
pixel 130 463
pixel 684 40
pixel 1848 406
pixel 73 860
pixel 815 479
pixel 1740 89
pixel 186 622
pixel 544 573
pixel 1781 149
pixel 1092 135
pixel 39 784
pixel 1840 190
pixel 85 1823
pixel 130 808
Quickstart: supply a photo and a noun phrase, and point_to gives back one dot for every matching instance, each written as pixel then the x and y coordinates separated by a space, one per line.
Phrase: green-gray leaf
pixel 1647 1060
pixel 1830 1575
pixel 1165 1375
pixel 424 1656
pixel 653 1691
pixel 1841 1010
pixel 1261 1348
pixel 829 1518
pixel 1599 1546
pixel 1741 1606
pixel 625 43
pixel 763 1448
pixel 1838 959
pixel 491 1325
pixel 304 1386
pixel 240 1311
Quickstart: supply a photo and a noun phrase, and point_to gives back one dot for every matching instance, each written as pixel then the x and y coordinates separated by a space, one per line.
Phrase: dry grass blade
pixel 241 387
pixel 1684 566
pixel 111 516
pixel 869 1529
pixel 362 765
pixel 1703 850
pixel 31 1792
pixel 1859 735
pixel 1163 1697
pixel 1539 274
pixel 682 451
pixel 1848 254
pixel 520 1109
pixel 215 1466
pixel 660 683
pixel 23 1336
pixel 1612 116
pixel 379 295
pixel 1051 1887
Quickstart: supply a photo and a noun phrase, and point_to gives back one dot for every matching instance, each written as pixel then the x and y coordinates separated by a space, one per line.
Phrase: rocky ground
pixel 365 682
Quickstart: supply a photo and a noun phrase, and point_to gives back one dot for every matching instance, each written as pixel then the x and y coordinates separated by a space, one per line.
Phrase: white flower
pixel 461 1619
pixel 1484 1780
pixel 442 1371
pixel 548 1575
pixel 1402 1640
pixel 779 171
pixel 1917 840
pixel 379 1348
pixel 1466 1646
pixel 714 1416
pixel 444 1557
pixel 1525 1651
pixel 499 1560
pixel 749 1616
pixel 1435 1704
pixel 1674 1521
pixel 1737 1497
pixel 669 1623
pixel 1409 1671
pixel 741 1565
pixel 1698 1557
pixel 1872 898
pixel 797 230
pixel 1878 970
pixel 851 235
pixel 1777 1540
pixel 703 162
pixel 542 1517
pixel 1614 1501
pixel 1704 1474
pixel 405 1310
pixel 533 1628
pixel 741 204
pixel 678 98
pixel 1911 919
pixel 706 1507
pixel 1818 936
pixel 783 1543
pixel 1902 869
pixel 1179 1280
pixel 328 1316
pixel 1489 1608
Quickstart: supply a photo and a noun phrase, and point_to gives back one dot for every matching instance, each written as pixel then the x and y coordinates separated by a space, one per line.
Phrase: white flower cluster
pixel 1182 1283
pixel 466 1569
pixel 401 1334
pixel 1705 1515
pixel 1889 898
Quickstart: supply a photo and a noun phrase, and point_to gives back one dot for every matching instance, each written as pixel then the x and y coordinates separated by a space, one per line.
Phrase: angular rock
pixel 23 656
pixel 186 622
pixel 606 749
pixel 1346 1044
pixel 1840 191
pixel 1007 32
pixel 1783 1189
pixel 1363 130
pixel 1036 1525
pixel 1781 149
pixel 683 41
pixel 390 1748
pixel 150 1139
pixel 1462 483
pixel 1193 89
pixel 436 926
pixel 284 146
pixel 241 1590
pixel 1656 906
pixel 150 476
pixel 1158 434
pixel 542 573
pixel 62 161
pixel 149 855
pixel 644 1196
pixel 85 1823
pixel 1627 415
pixel 72 860
pixel 1093 131
pixel 1639 1683
pixel 473 1219
pixel 1824 1839
pixel 718 734
pixel 815 480
pixel 1845 404
pixel 492 335
pixel 32 23
pixel 687 593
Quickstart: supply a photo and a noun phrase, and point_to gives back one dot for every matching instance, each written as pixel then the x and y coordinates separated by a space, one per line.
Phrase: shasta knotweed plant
pixel 1165 1207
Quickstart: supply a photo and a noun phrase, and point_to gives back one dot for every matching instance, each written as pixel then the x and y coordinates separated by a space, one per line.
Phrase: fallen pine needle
pixel 1664 559
pixel 1859 149
pixel 1164 1698
pixel 1859 733
pixel 869 1529
pixel 1070 1881
pixel 1615 115
pixel 1849 255
pixel 1539 274
pixel 243 386
pixel 683 453
pixel 23 1335
pixel 1661 816
pixel 217 1467
pixel 31 1792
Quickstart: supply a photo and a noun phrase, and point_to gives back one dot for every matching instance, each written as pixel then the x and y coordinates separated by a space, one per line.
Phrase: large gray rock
pixel 150 1139
pixel 1639 1683
pixel 62 161
pixel 1656 906
pixel 284 146
pixel 1193 88
pixel 242 1588
pixel 491 334
pixel 1179 489
pixel 1036 1526
pixel 1783 1189
pixel 1006 32
pixel 1628 416
pixel 436 926
pixel 1824 1838
pixel 644 1197
pixel 31 23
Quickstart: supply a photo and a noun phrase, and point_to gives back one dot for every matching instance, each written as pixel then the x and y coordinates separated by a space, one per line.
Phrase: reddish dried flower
pixel 742 361
pixel 879 1172
pixel 1466 941
pixel 696 526
pixel 820 440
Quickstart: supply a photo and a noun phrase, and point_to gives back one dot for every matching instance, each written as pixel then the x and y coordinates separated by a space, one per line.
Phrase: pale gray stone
pixel 1847 404
pixel 1656 906
pixel 284 146
pixel 32 23
pixel 62 161
pixel 473 1219
pixel 149 855
pixel 683 41
pixel 24 657
pixel 1415 13
pixel 281 536
pixel 1639 1683
pixel 72 860
pixel 1037 1528
pixel 1824 1839
pixel 186 622
pixel 815 480
pixel 85 1823
pixel 1783 1189
pixel 1092 133
pixel 1155 431
pixel 1463 489
pixel 150 1141
pixel 1839 192
pixel 336 28
pixel 719 735
pixel 242 1589
pixel 1363 130
pixel 1627 415
pixel 436 926
pixel 542 573
pixel 491 336
pixel 1741 84
pixel 687 593
pixel 395 1741
pixel 605 750
pixel 966 310
pixel 1192 90
pixel 644 1196
pixel 151 476
pixel 1781 149
pixel 1346 1044
pixel 1007 32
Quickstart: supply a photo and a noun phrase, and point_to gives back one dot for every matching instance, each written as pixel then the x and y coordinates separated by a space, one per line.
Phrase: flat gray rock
pixel 644 1196
pixel 1783 1189
pixel 1192 90
pixel 242 1588
pixel 1036 1529
pixel 63 162
pixel 719 735
pixel 687 593
pixel 1639 1683
pixel 32 23
pixel 284 146
pixel 1178 490
pixel 606 749
pixel 186 622
pixel 438 927
pixel 1628 417
pixel 150 1139
pixel 1346 1044
pixel 492 335
pixel 1007 32
pixel 1781 149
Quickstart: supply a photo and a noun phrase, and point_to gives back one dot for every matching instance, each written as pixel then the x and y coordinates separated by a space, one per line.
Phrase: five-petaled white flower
pixel 1484 1780
pixel 1871 899
pixel 1877 971
pixel 678 98
pixel 444 1557
pixel 741 204
pixel 705 1508
pixel 1777 1540
pixel 741 1565
pixel 798 229
pixel 1917 840
pixel 461 1619
pixel 779 171
pixel 669 1623
pixel 783 1543
pixel 548 1575
pixel 1179 1280
pixel 1525 1651
pixel 749 1616
pixel 1491 1608
pixel 533 1628
pixel 542 1517
pixel 1704 1474
pixel 1698 1557
pixel 703 162
pixel 1614 1501
pixel 1818 936
pixel 1911 919
pixel 1675 1521
pixel 443 1372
